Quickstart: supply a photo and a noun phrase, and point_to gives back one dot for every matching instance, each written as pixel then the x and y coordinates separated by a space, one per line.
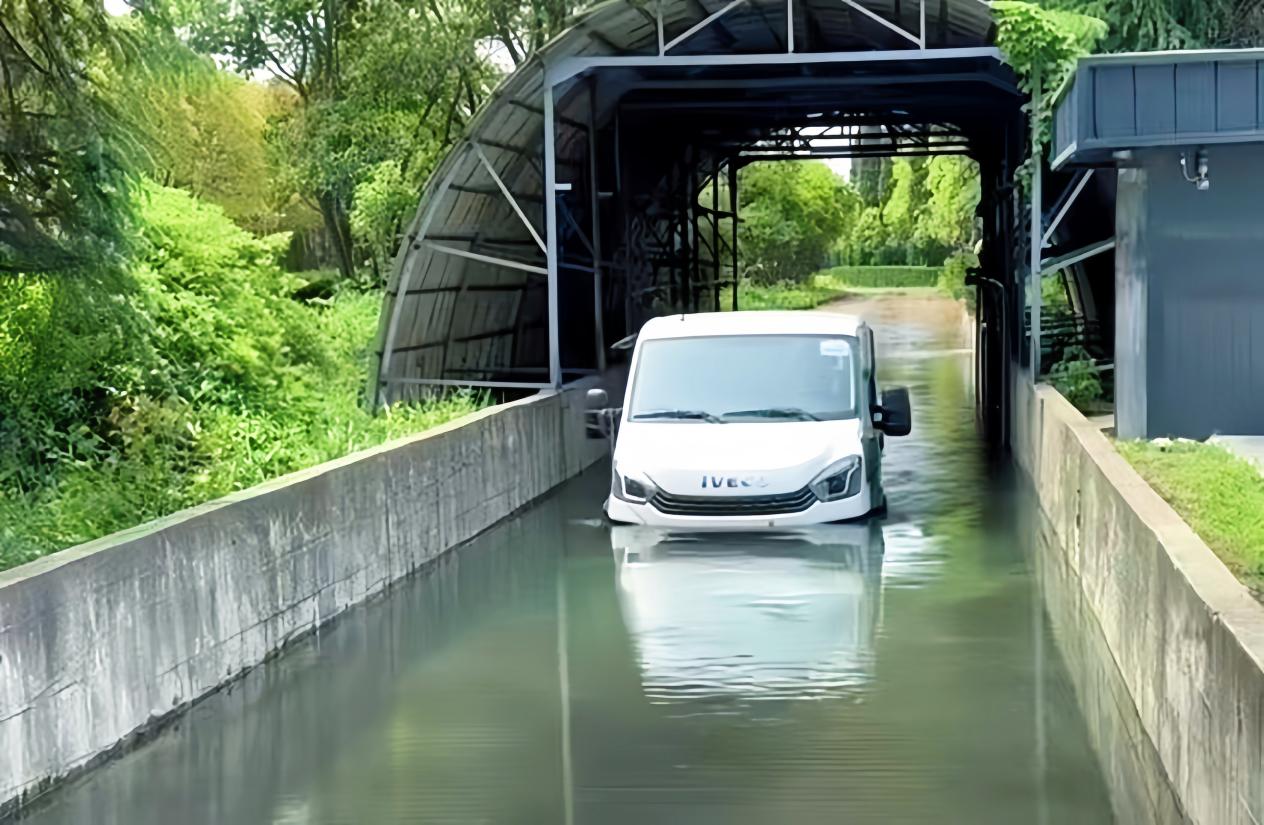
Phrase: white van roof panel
pixel 755 322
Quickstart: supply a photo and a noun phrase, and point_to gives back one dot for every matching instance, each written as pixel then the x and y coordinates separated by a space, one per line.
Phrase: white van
pixel 741 420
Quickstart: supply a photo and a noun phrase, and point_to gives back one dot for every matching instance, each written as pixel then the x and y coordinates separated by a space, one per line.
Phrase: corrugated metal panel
pixel 436 322
pixel 1159 99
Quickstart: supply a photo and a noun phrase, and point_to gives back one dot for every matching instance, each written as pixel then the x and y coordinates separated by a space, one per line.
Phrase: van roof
pixel 751 323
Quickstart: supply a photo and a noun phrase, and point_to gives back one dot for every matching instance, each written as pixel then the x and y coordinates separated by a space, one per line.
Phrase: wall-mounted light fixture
pixel 1200 180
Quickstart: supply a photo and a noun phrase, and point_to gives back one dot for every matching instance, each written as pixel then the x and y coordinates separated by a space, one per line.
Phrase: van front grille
pixel 780 504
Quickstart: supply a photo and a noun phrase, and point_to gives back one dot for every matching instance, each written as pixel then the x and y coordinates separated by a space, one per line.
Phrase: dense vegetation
pixel 159 344
pixel 202 376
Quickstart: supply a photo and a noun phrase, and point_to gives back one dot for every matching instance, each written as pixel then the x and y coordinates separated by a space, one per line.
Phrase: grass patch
pixel 807 295
pixel 1218 494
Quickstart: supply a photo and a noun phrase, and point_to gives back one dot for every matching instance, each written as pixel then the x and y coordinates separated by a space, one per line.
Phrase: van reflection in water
pixel 723 617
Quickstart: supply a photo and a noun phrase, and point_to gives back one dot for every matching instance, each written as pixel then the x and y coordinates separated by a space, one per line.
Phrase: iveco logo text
pixel 733 481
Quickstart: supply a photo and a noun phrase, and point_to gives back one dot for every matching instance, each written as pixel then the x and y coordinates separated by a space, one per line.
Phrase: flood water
pixel 560 671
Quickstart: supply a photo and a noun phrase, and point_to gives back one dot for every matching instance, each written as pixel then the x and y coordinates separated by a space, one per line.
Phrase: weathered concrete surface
pixel 1186 636
pixel 101 641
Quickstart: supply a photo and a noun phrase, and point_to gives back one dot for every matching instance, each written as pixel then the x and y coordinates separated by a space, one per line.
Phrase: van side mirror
pixel 894 416
pixel 600 419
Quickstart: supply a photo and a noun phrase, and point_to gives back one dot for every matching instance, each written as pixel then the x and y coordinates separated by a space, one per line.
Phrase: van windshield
pixel 768 378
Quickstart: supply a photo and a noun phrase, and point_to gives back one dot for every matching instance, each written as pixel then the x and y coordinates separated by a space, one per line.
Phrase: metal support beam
pixel 789 26
pixel 922 14
pixel 715 231
pixel 1050 266
pixel 736 220
pixel 504 190
pixel 550 224
pixel 569 67
pixel 487 259
pixel 594 202
pixel 658 17
pixel 1079 185
pixel 877 18
pixel 446 382
pixel 1037 207
pixel 699 26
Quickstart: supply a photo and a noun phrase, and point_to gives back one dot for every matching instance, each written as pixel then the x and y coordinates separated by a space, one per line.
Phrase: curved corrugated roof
pixel 467 301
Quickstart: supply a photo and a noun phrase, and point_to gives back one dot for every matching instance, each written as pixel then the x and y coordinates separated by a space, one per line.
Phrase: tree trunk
pixel 339 229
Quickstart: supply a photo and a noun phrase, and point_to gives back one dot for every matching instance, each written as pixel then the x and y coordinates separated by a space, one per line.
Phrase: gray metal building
pixel 1183 132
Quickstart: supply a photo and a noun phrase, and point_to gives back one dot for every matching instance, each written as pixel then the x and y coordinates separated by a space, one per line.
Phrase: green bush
pixel 952 279
pixel 129 396
pixel 1077 377
pixel 784 295
pixel 883 276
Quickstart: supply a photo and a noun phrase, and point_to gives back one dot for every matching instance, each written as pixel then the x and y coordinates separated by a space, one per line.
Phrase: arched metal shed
pixel 597 187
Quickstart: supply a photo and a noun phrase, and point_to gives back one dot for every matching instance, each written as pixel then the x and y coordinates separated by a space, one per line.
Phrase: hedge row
pixel 883 276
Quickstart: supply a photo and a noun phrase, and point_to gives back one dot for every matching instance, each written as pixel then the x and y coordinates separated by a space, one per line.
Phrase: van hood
pixel 734 459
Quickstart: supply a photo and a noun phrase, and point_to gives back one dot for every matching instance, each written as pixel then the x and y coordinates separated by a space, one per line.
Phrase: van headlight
pixel 839 480
pixel 633 488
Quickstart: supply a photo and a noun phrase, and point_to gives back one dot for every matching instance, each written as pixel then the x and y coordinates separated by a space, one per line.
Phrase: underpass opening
pixel 599 185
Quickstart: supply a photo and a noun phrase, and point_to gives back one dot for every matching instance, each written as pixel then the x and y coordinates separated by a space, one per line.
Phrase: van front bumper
pixel 818 513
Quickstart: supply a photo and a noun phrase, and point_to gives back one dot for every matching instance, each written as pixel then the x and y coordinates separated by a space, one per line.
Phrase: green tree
pixel 66 153
pixel 792 213
pixel 523 26
pixel 1148 25
pixel 206 129
pixel 344 60
pixel 952 182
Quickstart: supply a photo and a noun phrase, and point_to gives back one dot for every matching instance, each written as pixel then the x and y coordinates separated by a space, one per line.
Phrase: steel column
pixel 1037 218
pixel 733 211
pixel 595 204
pixel 715 234
pixel 550 222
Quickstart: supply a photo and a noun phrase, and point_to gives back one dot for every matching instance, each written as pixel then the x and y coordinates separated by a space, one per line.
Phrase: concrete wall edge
pixel 106 642
pixel 1186 636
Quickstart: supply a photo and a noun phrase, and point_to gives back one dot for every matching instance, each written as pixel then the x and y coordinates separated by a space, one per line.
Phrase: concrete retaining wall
pixel 100 642
pixel 1186 637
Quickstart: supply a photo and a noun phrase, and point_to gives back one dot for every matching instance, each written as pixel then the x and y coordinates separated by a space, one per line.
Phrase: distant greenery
pixel 193 374
pixel 882 276
pixel 1220 496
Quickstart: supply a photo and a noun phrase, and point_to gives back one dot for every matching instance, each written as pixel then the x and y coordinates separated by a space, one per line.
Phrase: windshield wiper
pixel 700 415
pixel 774 412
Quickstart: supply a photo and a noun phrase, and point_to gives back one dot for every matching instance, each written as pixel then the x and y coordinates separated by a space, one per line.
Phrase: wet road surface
pixel 561 671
